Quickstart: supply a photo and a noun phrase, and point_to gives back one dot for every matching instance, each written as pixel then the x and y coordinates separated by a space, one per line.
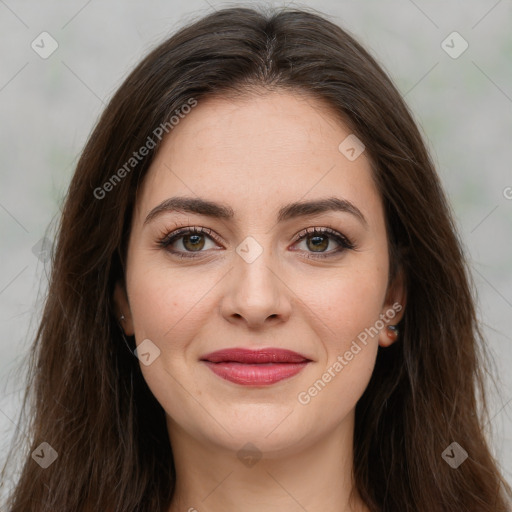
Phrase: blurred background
pixel 62 62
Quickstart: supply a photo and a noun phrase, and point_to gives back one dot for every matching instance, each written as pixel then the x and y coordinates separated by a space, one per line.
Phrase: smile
pixel 255 367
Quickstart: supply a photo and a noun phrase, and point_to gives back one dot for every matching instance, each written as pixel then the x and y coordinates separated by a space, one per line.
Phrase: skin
pixel 257 154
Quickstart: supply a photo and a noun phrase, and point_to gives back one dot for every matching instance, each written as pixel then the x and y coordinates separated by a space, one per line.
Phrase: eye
pixel 317 240
pixel 192 239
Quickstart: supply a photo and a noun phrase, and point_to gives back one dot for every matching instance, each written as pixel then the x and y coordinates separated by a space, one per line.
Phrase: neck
pixel 315 477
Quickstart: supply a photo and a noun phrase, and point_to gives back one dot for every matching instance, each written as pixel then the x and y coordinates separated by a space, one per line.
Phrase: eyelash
pixel 167 239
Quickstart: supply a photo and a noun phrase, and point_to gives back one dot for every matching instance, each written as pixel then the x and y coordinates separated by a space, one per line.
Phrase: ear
pixel 122 307
pixel 394 307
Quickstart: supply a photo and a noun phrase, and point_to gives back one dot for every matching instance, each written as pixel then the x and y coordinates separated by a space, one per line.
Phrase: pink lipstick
pixel 255 367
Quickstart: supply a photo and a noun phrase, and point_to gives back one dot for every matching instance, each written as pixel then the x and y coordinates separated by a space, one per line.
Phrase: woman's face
pixel 248 282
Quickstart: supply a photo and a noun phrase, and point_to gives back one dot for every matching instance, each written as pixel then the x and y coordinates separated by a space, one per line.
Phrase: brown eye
pixel 318 242
pixel 193 242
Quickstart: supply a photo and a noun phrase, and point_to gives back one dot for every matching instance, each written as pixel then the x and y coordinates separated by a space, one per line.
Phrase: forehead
pixel 256 153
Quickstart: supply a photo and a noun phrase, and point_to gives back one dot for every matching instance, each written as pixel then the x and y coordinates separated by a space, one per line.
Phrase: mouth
pixel 255 367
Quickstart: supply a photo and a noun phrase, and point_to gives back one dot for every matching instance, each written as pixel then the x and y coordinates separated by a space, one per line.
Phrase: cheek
pixel 337 390
pixel 345 306
pixel 347 323
pixel 164 300
pixel 347 313
pixel 168 307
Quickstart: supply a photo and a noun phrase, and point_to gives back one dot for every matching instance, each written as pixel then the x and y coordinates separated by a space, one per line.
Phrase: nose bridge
pixel 255 266
pixel 255 290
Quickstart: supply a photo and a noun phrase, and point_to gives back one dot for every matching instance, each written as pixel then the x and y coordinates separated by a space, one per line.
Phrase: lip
pixel 260 356
pixel 255 367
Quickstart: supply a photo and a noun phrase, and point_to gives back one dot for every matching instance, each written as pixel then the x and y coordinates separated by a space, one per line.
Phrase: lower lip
pixel 255 374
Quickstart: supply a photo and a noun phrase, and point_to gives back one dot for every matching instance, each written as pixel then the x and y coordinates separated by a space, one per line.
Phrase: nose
pixel 255 292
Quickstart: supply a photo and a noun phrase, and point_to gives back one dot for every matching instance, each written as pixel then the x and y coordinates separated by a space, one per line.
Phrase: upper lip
pixel 259 356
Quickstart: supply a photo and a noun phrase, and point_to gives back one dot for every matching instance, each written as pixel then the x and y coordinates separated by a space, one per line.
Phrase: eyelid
pixel 167 237
pixel 322 231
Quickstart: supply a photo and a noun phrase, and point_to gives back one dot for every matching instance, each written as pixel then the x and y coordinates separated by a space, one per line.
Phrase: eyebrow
pixel 200 206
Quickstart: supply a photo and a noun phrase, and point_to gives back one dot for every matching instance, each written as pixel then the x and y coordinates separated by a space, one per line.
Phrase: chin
pixel 276 434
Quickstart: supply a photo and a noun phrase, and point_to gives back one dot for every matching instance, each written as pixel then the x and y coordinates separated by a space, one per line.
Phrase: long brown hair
pixel 88 399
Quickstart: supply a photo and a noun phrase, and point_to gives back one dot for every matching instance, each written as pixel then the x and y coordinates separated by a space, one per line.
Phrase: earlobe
pixel 391 334
pixel 122 308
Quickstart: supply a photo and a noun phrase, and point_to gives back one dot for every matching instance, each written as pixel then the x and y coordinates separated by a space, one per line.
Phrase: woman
pixel 258 298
